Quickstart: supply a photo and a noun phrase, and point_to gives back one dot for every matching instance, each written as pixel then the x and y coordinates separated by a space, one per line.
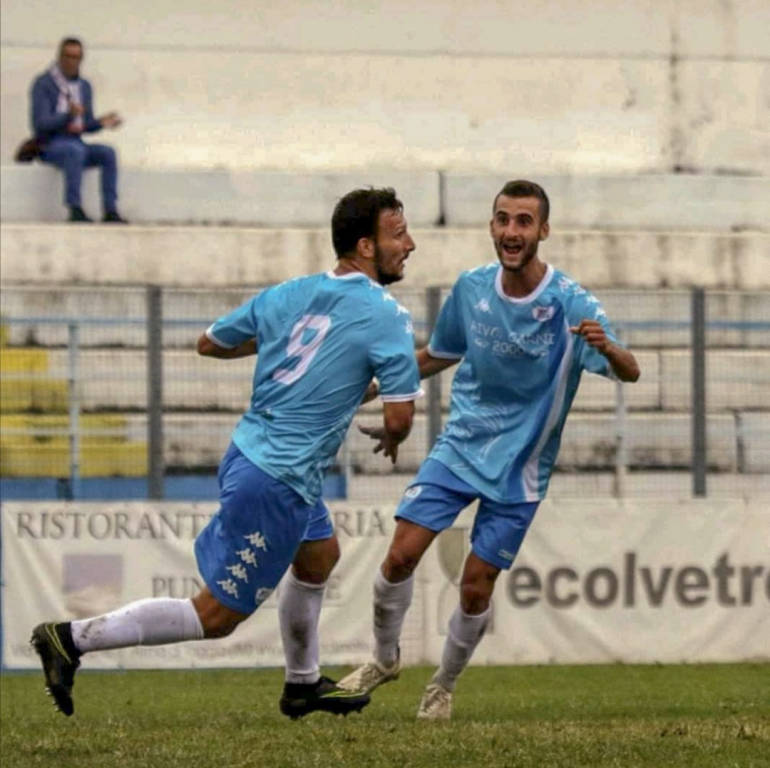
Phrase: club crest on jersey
pixel 541 314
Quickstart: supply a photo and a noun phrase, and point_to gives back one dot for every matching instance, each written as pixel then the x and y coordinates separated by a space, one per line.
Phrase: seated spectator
pixel 62 111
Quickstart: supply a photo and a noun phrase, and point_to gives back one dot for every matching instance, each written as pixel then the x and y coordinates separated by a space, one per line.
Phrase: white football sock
pixel 153 621
pixel 465 632
pixel 299 608
pixel 391 602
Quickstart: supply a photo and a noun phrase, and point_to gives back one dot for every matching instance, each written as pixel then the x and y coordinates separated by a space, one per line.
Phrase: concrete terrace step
pixel 625 202
pixel 115 316
pixel 579 91
pixel 226 256
pixel 33 193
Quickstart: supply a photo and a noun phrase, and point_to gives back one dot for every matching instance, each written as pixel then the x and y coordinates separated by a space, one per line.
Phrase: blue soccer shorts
pixel 248 545
pixel 437 496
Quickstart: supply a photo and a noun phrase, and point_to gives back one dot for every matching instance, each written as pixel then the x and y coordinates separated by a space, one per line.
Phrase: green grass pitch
pixel 594 716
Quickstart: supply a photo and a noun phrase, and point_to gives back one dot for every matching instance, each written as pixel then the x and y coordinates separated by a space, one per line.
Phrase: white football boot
pixel 436 703
pixel 369 676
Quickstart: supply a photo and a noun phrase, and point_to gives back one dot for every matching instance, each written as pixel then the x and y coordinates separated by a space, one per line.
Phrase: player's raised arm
pixel 623 362
pixel 430 365
pixel 208 348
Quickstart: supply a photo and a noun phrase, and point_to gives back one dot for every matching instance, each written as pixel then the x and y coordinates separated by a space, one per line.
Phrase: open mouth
pixel 513 249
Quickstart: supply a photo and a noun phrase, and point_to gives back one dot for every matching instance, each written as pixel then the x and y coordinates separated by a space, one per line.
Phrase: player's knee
pixel 475 595
pixel 219 625
pixel 315 560
pixel 213 632
pixel 316 571
pixel 216 619
pixel 399 564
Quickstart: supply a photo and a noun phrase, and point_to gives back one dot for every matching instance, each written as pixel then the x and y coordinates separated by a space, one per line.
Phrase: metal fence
pixel 103 396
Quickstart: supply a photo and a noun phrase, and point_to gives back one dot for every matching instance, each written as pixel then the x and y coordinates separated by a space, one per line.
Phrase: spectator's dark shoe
pixel 78 214
pixel 300 699
pixel 113 217
pixel 60 659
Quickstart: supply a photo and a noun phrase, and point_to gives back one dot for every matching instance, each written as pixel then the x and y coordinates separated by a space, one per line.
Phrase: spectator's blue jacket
pixel 47 123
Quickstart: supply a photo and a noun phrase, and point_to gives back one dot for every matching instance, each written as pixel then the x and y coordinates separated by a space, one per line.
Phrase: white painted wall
pixel 568 86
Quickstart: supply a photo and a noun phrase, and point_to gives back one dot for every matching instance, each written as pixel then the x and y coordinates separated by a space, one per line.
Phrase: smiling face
pixel 392 246
pixel 517 229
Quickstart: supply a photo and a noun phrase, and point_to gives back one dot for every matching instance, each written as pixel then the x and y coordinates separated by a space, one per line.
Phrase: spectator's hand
pixel 111 120
pixel 74 129
pixel 76 110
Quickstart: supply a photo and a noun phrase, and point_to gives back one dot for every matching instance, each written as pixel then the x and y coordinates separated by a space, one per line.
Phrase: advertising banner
pixel 622 581
pixel 595 581
pixel 63 561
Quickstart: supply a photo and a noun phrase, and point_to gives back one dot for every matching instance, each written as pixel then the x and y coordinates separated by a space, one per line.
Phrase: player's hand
pixel 385 442
pixel 593 332
pixel 376 433
pixel 372 391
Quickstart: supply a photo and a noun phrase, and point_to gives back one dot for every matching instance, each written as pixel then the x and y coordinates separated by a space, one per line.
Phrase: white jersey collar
pixel 541 286
pixel 349 276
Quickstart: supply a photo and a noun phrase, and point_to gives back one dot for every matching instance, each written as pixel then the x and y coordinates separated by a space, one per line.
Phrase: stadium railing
pixel 103 396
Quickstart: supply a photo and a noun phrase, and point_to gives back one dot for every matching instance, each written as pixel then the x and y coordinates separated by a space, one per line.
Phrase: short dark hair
pixel 356 215
pixel 69 41
pixel 522 188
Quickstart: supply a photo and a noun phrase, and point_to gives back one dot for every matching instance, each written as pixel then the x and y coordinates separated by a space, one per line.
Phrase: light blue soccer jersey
pixel 519 373
pixel 320 341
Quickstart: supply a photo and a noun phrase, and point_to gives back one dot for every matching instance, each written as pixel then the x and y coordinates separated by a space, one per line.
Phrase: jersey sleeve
pixel 448 339
pixel 588 307
pixel 239 325
pixel 392 354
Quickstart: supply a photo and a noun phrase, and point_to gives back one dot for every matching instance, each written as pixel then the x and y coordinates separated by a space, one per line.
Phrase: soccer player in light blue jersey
pixel 522 333
pixel 320 340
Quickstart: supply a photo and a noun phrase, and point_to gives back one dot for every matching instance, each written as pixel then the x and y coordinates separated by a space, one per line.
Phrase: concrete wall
pixel 569 86
pixel 648 202
pixel 214 256
pixel 34 193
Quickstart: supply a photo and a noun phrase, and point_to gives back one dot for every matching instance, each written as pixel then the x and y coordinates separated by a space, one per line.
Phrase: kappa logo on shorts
pixel 413 492
pixel 257 540
pixel 238 571
pixel 247 556
pixel 229 586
